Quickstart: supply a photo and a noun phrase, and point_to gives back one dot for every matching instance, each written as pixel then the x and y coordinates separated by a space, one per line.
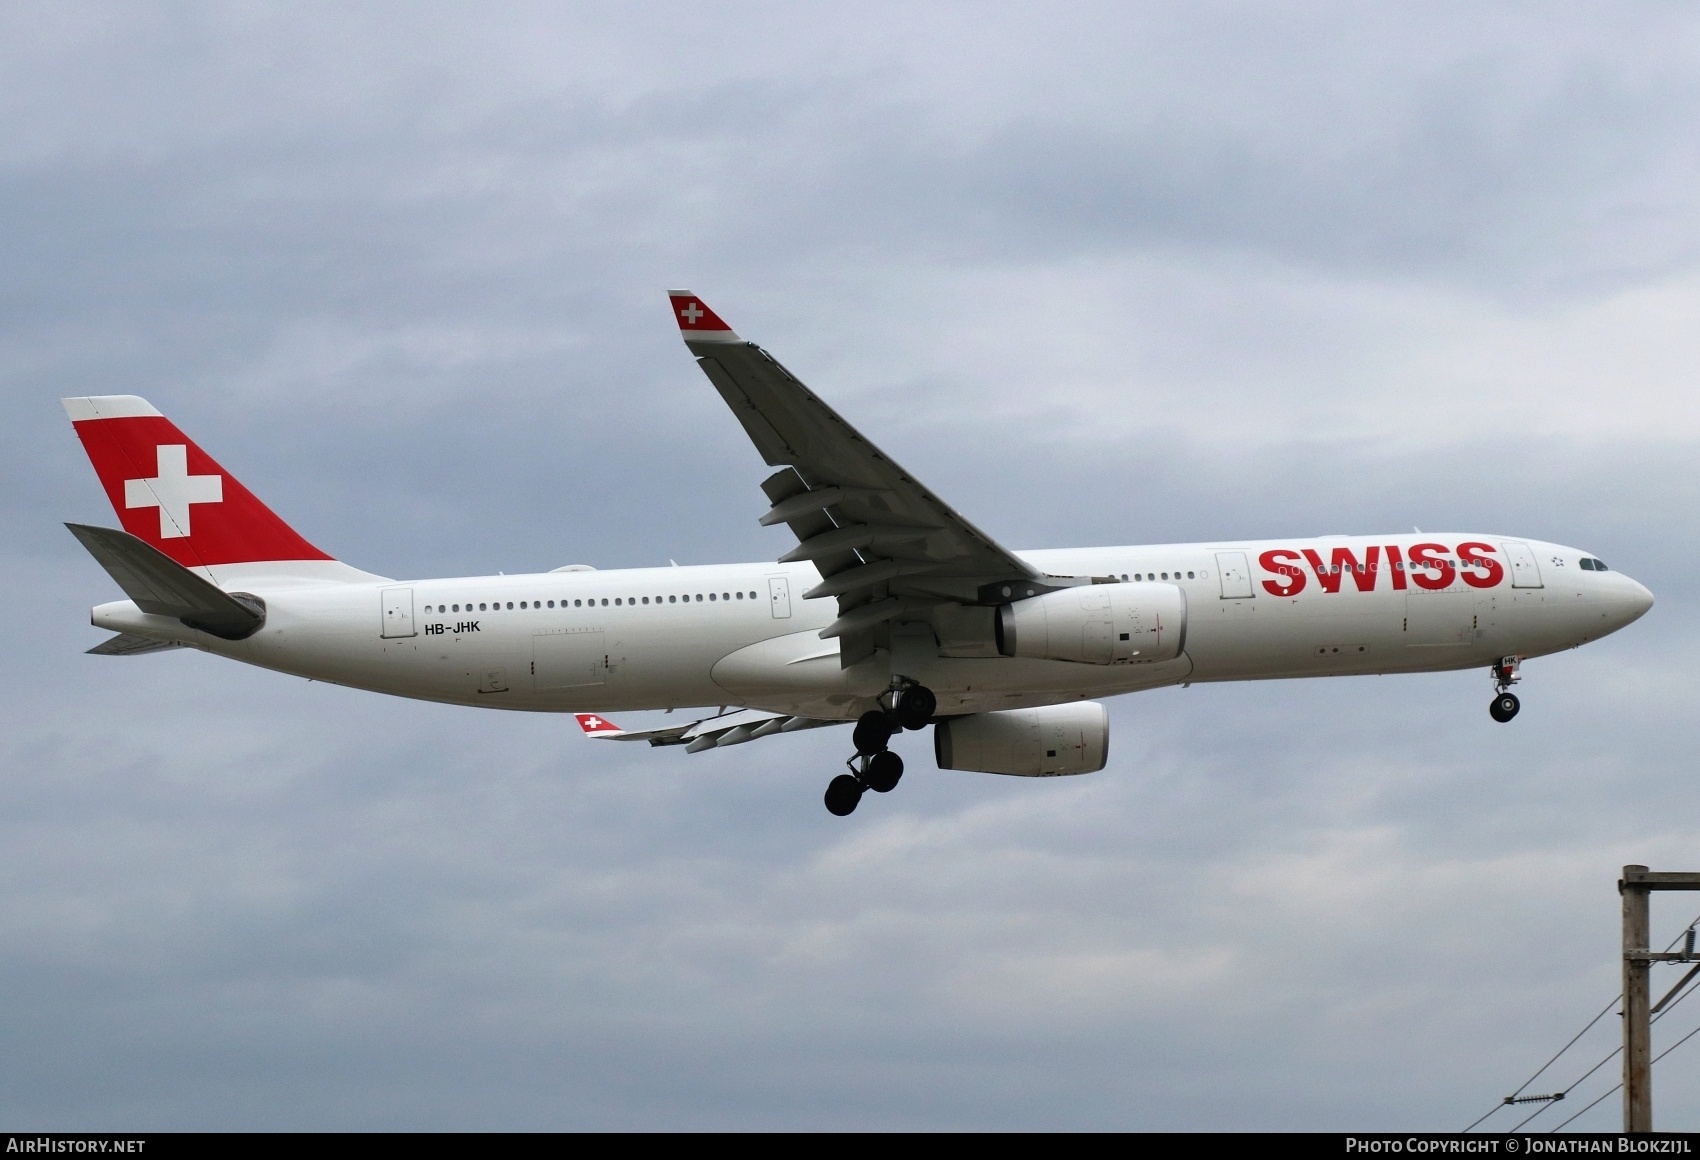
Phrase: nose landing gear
pixel 875 766
pixel 1505 703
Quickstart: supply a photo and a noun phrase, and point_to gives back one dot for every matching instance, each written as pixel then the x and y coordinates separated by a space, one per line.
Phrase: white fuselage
pixel 741 634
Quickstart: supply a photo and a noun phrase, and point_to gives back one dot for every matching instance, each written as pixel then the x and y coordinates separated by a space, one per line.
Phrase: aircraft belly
pixel 800 673
pixel 1321 634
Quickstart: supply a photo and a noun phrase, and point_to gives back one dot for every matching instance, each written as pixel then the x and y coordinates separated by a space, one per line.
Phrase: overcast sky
pixel 1098 274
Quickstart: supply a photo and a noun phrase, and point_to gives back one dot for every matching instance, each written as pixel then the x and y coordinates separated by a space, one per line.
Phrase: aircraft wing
pixel 707 733
pixel 886 547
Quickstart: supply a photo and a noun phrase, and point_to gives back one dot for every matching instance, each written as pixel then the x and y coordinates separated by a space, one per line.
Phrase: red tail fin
pixel 173 495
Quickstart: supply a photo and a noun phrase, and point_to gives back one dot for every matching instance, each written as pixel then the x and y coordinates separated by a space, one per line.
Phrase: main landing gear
pixel 875 766
pixel 1505 703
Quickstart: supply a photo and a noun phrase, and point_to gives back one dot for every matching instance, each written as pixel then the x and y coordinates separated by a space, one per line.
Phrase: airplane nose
pixel 1640 600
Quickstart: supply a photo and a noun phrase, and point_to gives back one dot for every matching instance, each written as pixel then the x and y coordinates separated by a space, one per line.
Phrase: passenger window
pixel 510 605
pixel 605 602
pixel 672 600
pixel 1190 576
pixel 1165 575
pixel 740 596
pixel 699 598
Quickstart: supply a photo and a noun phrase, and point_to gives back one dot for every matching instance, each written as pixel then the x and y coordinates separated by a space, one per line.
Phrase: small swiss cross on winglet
pixel 595 725
pixel 696 321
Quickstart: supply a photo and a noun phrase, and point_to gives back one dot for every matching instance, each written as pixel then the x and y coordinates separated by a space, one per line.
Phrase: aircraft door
pixel 397 613
pixel 1525 571
pixel 779 597
pixel 1235 573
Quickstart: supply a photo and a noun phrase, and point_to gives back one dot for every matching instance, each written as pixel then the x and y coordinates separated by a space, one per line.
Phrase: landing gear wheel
pixel 915 707
pixel 873 730
pixel 883 772
pixel 1504 707
pixel 843 793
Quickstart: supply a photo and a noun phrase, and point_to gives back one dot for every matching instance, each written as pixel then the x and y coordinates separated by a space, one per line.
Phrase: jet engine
pixel 1099 624
pixel 1046 742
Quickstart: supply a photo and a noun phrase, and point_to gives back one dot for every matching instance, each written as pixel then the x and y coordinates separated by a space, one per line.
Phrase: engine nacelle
pixel 1050 741
pixel 1098 624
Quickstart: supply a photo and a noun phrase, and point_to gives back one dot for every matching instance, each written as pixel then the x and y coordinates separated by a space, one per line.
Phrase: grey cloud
pixel 402 273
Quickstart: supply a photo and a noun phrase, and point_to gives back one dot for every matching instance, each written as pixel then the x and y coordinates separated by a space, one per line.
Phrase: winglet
pixel 697 323
pixel 598 726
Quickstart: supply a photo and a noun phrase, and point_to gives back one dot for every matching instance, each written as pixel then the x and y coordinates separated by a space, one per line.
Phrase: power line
pixel 1613 1054
pixel 1619 1050
pixel 1590 1107
pixel 1619 1087
pixel 1512 1098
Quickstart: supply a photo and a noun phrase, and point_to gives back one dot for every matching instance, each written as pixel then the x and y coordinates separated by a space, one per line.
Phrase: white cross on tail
pixel 173 490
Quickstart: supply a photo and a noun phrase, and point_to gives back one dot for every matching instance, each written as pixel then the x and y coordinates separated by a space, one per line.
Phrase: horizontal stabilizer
pixel 129 644
pixel 161 586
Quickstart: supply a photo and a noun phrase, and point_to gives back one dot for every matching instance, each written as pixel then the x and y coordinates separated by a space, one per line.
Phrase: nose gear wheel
pixel 1505 703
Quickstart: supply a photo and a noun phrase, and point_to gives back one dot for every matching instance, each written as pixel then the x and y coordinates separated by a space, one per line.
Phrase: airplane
pixel 892 613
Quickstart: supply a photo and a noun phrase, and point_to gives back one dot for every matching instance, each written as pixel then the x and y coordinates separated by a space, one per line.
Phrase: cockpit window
pixel 1591 565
